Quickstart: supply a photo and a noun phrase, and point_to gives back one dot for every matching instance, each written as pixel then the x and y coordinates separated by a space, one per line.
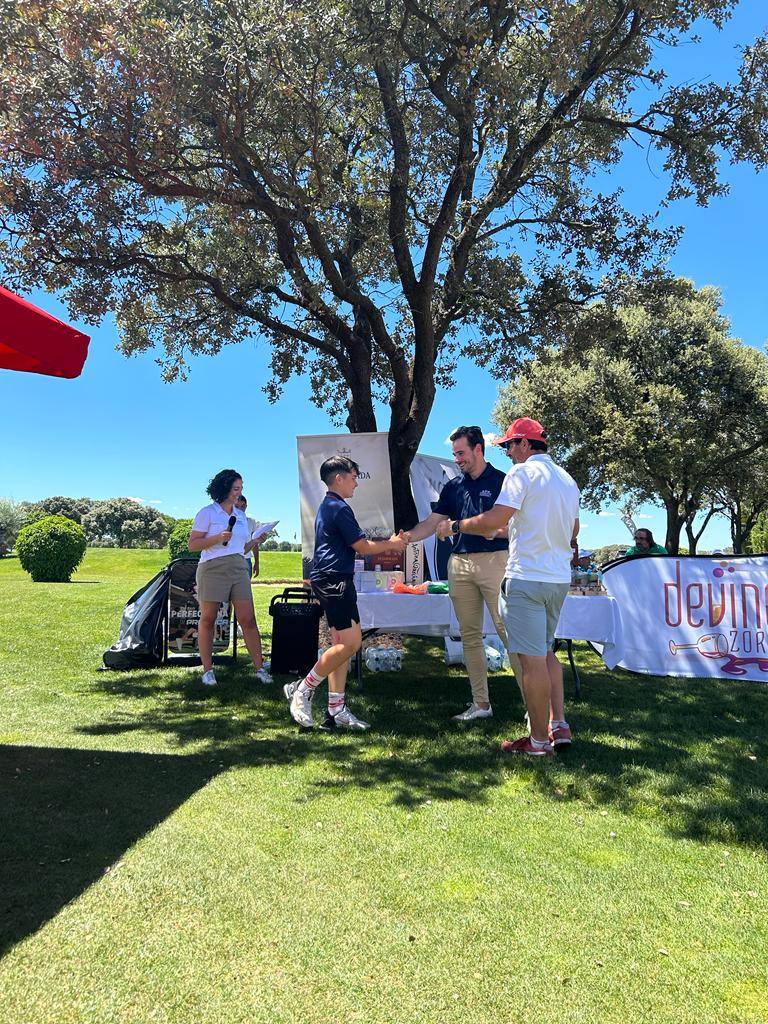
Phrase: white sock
pixel 559 724
pixel 335 702
pixel 310 681
pixel 539 744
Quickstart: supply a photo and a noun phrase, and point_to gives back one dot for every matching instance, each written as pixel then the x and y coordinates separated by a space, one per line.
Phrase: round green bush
pixel 178 542
pixel 51 549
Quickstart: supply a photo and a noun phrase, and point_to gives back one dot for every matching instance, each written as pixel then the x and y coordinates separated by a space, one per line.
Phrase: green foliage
pixel 285 545
pixel 269 545
pixel 178 542
pixel 51 549
pixel 375 191
pixel 58 505
pixel 758 538
pixel 648 397
pixel 743 498
pixel 125 523
pixel 12 518
pixel 609 552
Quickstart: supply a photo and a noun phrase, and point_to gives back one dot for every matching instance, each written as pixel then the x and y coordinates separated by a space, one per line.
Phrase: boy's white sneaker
pixel 344 719
pixel 299 704
pixel 209 679
pixel 262 676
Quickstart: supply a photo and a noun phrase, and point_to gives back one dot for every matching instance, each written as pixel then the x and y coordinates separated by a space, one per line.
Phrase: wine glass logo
pixel 710 645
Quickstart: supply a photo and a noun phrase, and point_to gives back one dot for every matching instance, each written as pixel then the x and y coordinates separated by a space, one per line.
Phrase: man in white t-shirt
pixel 539 502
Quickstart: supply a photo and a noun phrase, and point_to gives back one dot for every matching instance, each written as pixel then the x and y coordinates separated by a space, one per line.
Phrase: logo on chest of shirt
pixel 485 494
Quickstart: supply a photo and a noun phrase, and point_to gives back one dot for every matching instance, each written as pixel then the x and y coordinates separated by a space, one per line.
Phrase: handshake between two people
pixel 379 547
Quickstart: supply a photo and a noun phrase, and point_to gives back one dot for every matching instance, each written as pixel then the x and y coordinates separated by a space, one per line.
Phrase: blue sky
pixel 119 430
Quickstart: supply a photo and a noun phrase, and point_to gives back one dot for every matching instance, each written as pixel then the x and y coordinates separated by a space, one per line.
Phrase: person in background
pixel 222 572
pixel 586 560
pixel 645 545
pixel 338 538
pixel 252 547
pixel 539 502
pixel 476 566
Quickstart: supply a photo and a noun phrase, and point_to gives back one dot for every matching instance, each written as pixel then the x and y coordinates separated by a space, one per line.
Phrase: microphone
pixel 230 525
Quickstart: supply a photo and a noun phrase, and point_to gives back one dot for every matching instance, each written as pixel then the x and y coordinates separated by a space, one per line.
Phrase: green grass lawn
pixel 143 563
pixel 170 854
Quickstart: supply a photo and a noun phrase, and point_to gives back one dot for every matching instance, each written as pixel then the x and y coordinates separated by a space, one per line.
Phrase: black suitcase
pixel 295 630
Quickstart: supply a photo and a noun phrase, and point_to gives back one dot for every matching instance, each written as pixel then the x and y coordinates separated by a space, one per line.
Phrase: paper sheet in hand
pixel 260 530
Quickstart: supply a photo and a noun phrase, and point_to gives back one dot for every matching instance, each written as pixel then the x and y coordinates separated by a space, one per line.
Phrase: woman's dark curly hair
pixel 222 483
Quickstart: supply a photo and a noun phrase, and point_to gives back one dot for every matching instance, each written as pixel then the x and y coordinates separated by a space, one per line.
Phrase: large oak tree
pixel 375 187
pixel 649 398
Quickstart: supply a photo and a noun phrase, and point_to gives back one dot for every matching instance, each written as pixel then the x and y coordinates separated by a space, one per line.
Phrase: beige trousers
pixel 475 580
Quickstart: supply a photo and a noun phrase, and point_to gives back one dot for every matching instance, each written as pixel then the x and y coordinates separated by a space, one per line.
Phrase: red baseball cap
pixel 525 427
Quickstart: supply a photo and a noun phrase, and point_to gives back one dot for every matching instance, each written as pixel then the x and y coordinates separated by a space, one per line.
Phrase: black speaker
pixel 295 631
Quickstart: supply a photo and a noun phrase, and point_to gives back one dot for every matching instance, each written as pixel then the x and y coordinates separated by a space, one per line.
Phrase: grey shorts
pixel 223 579
pixel 530 610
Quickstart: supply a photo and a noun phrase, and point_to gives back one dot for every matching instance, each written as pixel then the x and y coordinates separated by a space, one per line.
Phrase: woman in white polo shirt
pixel 222 574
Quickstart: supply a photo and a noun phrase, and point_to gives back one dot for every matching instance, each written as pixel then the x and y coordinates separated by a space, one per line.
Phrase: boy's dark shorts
pixel 338 599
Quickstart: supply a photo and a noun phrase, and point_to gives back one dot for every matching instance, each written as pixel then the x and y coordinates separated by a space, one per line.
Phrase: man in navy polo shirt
pixel 476 567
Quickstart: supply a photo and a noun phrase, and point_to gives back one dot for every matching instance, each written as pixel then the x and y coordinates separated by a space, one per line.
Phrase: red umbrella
pixel 35 341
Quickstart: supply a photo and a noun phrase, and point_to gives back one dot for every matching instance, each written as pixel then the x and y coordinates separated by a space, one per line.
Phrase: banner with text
pixel 693 615
pixel 372 502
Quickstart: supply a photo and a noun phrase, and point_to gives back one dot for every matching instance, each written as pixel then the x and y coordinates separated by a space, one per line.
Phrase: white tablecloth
pixel 594 618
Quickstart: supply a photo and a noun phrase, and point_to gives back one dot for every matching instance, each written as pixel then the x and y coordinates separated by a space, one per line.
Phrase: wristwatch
pixel 455 527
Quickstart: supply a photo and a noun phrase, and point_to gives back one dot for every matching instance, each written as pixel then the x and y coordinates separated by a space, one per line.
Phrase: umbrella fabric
pixel 35 341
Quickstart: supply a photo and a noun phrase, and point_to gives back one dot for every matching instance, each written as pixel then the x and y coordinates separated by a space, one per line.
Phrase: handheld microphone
pixel 230 525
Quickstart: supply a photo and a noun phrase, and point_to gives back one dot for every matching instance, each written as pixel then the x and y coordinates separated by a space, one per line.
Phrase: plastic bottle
pixel 372 659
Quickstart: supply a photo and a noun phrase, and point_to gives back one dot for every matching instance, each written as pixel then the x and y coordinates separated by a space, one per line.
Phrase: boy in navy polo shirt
pixel 338 538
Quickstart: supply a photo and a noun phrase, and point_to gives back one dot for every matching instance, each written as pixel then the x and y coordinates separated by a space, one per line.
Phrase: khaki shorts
pixel 223 579
pixel 530 610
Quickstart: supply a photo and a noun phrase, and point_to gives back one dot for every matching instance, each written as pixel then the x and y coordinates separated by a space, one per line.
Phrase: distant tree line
pixel 114 522
pixel 111 523
pixel 273 544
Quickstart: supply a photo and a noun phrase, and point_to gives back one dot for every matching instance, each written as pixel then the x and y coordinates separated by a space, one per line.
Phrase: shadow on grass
pixel 685 753
pixel 69 815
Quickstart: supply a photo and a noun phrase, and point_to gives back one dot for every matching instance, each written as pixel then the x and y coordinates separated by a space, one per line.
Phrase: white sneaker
pixel 209 679
pixel 344 719
pixel 473 712
pixel 262 676
pixel 299 704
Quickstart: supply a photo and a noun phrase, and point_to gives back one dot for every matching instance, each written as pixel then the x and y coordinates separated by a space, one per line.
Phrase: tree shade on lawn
pixel 34 341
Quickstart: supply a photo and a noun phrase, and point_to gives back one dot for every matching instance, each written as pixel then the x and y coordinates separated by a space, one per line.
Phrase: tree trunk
pixel 738 534
pixel 692 538
pixel 361 417
pixel 675 523
pixel 400 458
pixel 407 425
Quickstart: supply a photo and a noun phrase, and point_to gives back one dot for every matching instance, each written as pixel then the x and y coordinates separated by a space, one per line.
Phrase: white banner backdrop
pixel 693 616
pixel 372 503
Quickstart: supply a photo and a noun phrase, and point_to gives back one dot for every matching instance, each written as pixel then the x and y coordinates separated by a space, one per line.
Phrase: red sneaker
pixel 524 746
pixel 560 737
